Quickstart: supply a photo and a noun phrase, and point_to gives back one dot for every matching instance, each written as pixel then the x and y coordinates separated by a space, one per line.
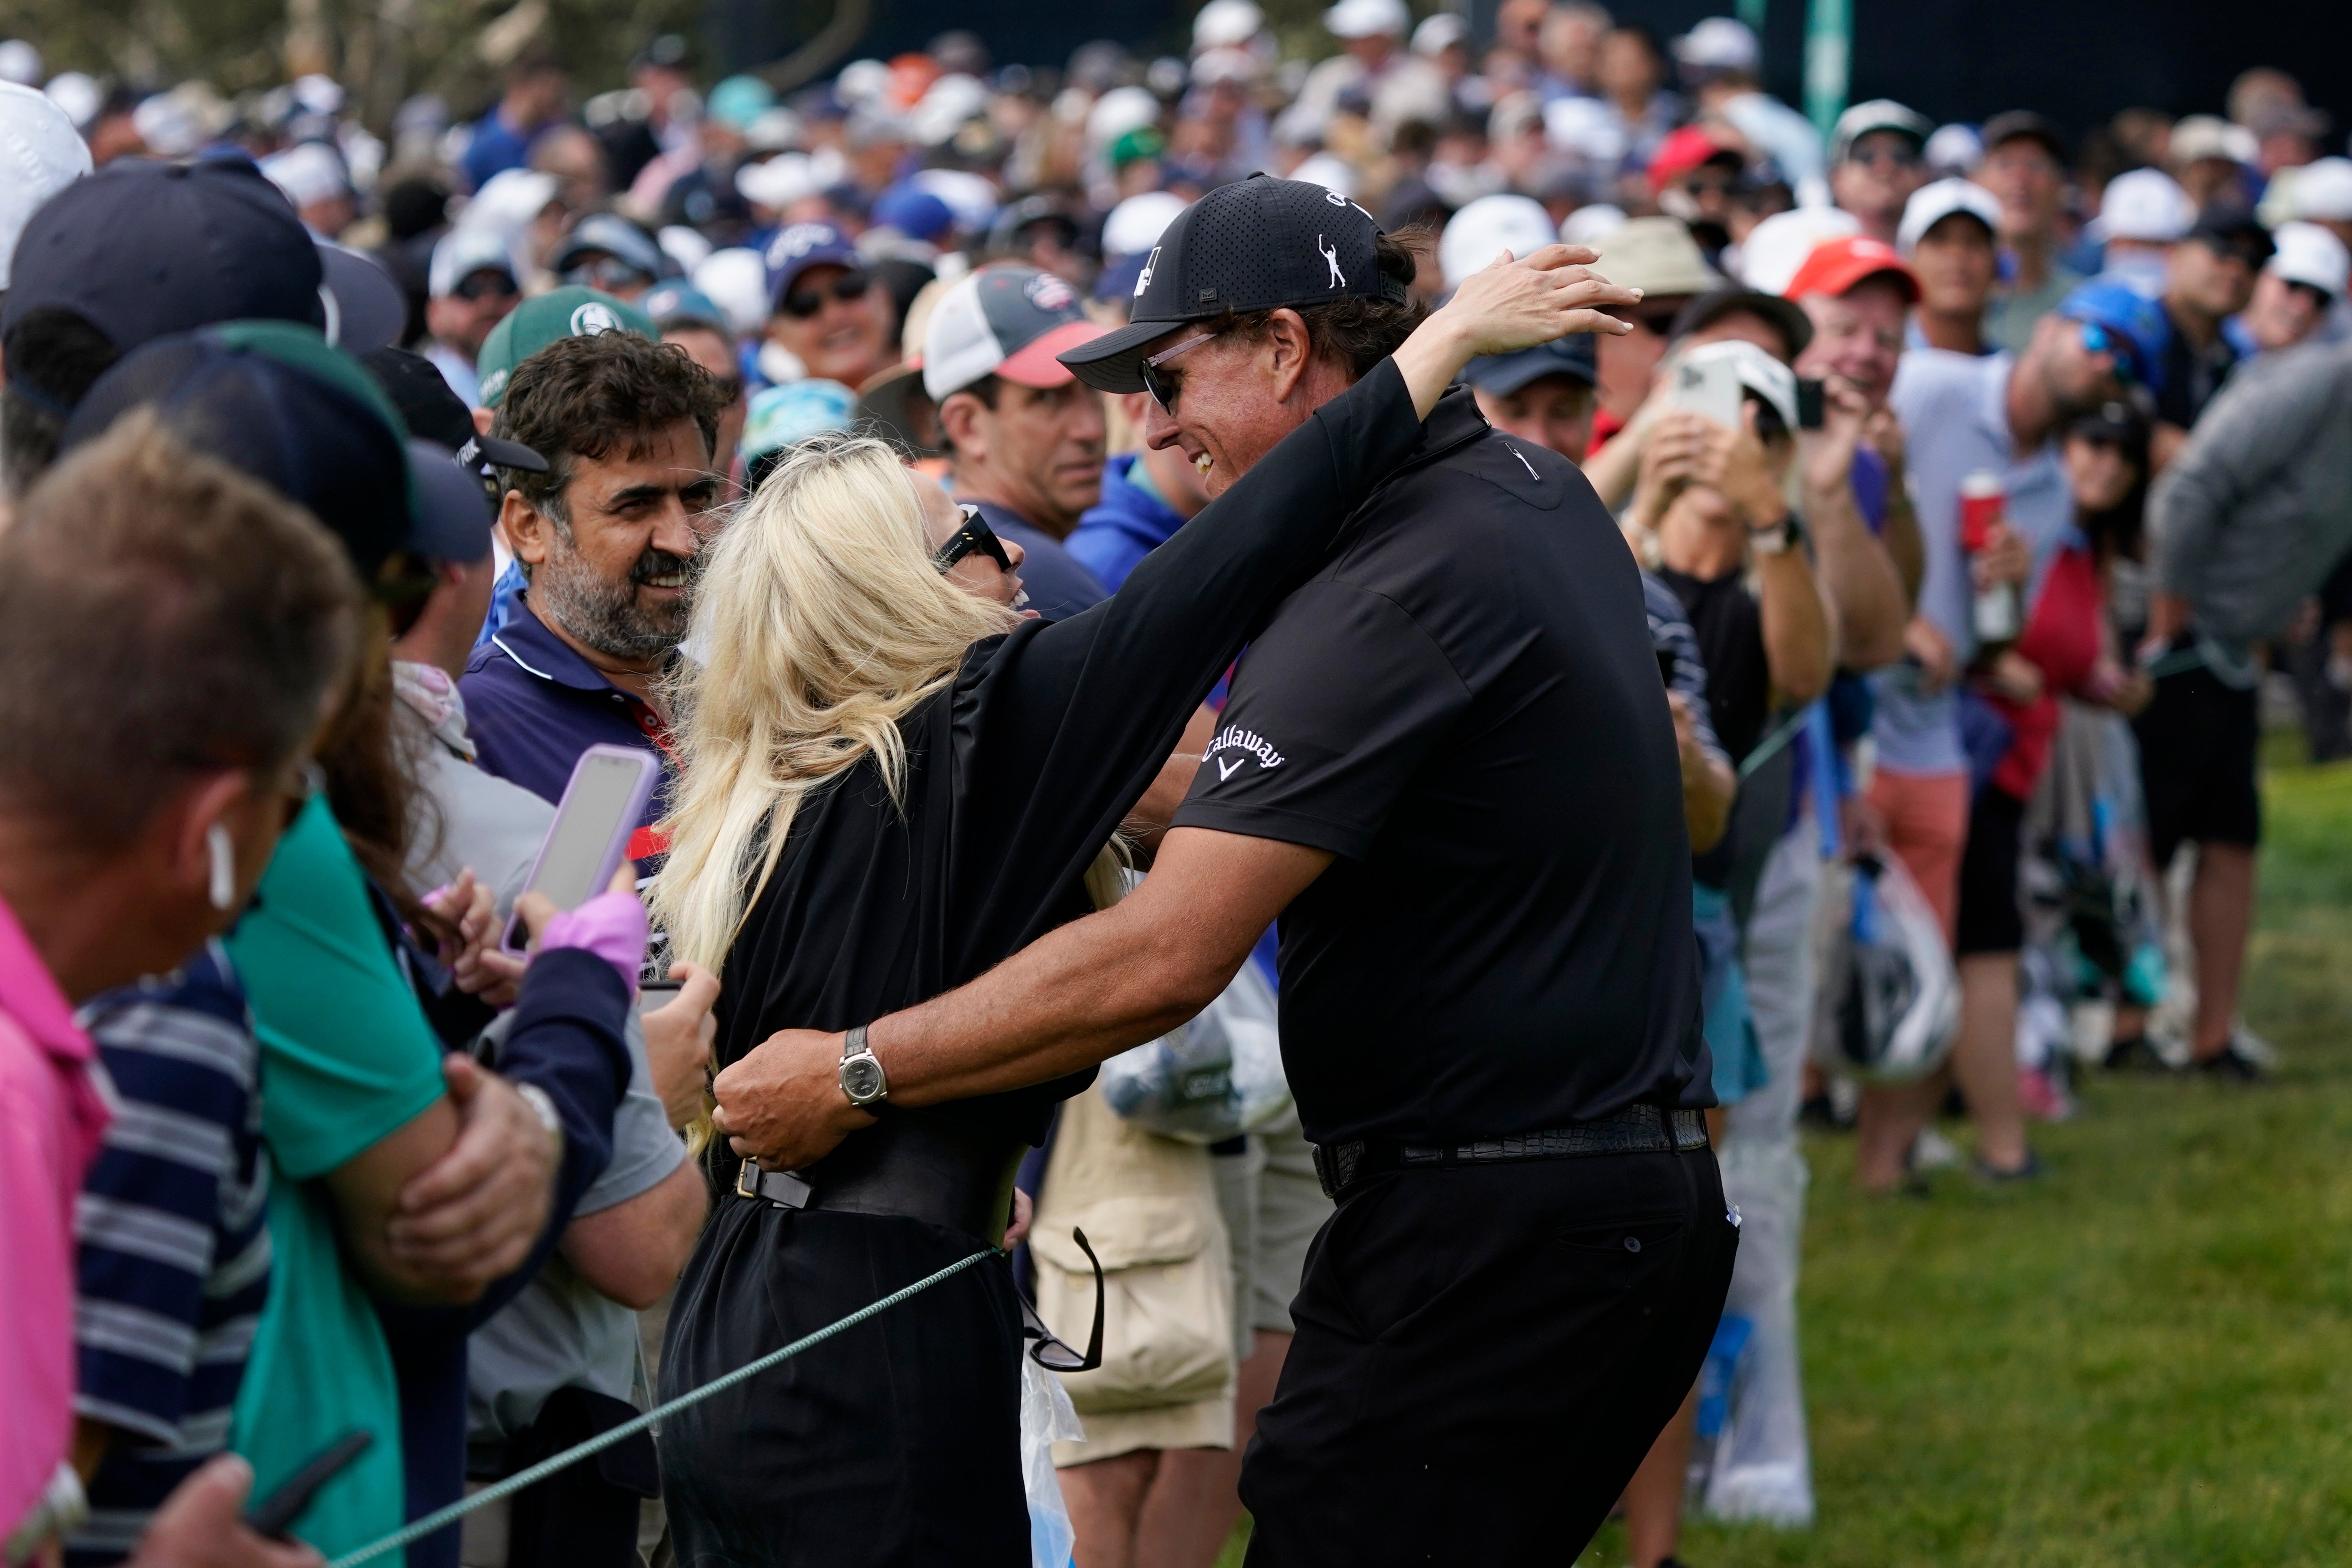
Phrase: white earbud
pixel 223 880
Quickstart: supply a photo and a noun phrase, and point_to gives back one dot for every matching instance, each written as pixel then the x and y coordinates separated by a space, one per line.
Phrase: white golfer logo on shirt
pixel 1248 744
pixel 1331 259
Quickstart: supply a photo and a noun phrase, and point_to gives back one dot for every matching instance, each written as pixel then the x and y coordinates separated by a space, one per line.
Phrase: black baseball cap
pixel 275 401
pixel 2235 230
pixel 1502 375
pixel 1254 245
pixel 433 411
pixel 142 249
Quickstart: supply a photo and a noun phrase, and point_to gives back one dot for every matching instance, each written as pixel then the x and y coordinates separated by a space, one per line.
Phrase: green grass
pixel 2146 1359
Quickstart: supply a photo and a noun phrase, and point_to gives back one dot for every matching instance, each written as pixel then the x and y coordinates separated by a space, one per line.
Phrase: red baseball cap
pixel 1840 266
pixel 1683 151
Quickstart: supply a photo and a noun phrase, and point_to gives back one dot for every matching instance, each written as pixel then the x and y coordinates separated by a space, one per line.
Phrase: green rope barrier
pixel 443 1518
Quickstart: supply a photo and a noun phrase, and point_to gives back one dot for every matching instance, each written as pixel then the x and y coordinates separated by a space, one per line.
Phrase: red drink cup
pixel 1982 498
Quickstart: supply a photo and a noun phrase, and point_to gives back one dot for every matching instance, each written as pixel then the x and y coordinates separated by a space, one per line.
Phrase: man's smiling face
pixel 614 563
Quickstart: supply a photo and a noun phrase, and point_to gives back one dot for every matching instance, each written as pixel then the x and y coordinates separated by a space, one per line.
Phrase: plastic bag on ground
pixel 1046 1415
pixel 1762 1470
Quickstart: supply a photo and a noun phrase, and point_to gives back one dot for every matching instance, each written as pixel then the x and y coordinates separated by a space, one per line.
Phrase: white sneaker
pixel 1931 1151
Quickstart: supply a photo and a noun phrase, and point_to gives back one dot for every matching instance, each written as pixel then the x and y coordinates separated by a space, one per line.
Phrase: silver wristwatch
pixel 1775 538
pixel 862 1078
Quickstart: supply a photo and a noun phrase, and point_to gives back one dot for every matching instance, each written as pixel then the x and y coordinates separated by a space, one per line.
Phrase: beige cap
pixel 1657 256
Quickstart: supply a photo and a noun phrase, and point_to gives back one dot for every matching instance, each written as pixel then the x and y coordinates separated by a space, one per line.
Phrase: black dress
pixel 897 1442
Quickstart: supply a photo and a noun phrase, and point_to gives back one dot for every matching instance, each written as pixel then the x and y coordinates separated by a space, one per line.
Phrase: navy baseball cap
pixel 1572 356
pixel 801 246
pixel 142 249
pixel 2133 322
pixel 277 402
pixel 1254 245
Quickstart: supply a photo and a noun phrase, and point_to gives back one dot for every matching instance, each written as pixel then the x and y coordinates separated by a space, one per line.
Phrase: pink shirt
pixel 52 1115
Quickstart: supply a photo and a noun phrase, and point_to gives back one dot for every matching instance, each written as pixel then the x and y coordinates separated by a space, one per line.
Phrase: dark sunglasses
pixel 2097 340
pixel 1900 156
pixel 975 534
pixel 1164 388
pixel 806 302
pixel 486 285
pixel 607 272
pixel 1049 1352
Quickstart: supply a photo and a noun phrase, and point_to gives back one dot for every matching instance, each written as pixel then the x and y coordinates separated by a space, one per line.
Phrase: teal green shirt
pixel 347 1057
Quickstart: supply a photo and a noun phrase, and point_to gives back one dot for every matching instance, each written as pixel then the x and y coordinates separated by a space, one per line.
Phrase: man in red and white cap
pixel 1027 436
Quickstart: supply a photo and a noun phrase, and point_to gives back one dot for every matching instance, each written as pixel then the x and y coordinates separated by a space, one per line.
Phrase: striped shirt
pixel 175 1243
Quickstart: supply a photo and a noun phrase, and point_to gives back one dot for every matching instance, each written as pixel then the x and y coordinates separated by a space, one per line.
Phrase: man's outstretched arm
pixel 1068 1001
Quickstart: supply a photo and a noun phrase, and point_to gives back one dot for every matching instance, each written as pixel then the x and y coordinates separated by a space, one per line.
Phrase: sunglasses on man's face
pixel 1164 386
pixel 486 285
pixel 607 272
pixel 1899 155
pixel 802 303
pixel 2097 340
pixel 975 534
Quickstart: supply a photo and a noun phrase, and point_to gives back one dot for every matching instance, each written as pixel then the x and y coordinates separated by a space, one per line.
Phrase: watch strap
pixel 853 1043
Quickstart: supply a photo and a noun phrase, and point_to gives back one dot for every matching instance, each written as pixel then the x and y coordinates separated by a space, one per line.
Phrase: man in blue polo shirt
pixel 606 539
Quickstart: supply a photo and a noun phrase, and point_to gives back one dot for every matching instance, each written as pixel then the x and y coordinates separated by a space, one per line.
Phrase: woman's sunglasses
pixel 975 534
pixel 802 303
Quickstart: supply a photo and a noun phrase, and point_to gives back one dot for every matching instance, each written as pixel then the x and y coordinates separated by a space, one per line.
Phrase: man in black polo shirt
pixel 1449 766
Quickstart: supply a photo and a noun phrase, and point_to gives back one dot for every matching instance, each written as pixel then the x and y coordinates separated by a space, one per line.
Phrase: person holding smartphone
pixel 886 729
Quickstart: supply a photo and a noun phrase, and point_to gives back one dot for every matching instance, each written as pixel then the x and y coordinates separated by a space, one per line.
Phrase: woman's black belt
pixel 924 1167
pixel 1636 1130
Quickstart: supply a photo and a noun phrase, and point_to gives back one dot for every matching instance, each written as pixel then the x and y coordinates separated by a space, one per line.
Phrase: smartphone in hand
pixel 600 809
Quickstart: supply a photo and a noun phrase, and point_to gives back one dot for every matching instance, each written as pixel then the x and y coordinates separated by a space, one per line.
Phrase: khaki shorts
pixel 1273 1208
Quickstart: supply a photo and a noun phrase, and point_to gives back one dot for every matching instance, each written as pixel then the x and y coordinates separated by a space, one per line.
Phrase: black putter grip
pixel 273 1514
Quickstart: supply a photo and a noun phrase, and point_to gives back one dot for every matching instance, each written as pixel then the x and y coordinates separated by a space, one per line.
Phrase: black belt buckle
pixel 784 1189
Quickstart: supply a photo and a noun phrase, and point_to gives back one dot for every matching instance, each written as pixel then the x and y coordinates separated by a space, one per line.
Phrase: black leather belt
pixel 923 1166
pixel 1636 1130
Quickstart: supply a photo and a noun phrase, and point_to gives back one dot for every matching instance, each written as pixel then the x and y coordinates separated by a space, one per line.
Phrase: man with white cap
pixel 1027 436
pixel 44 154
pixel 1877 160
pixel 1373 59
pixel 1951 234
pixel 312 176
pixel 470 286
pixel 1487 227
pixel 2302 283
pixel 2142 216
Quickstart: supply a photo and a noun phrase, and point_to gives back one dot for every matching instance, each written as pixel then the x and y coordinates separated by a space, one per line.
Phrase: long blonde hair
pixel 822 625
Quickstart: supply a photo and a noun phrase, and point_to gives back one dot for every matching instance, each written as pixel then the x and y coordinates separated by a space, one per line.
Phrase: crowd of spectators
pixel 1984 477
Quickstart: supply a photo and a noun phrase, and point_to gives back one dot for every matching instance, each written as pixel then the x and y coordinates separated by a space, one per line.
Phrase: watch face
pixel 861 1079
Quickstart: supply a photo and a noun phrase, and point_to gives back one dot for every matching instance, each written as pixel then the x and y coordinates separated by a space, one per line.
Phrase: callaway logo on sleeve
pixel 1240 745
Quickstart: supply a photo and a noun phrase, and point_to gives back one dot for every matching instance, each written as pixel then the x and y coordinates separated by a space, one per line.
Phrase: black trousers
pixel 896 1444
pixel 1484 1356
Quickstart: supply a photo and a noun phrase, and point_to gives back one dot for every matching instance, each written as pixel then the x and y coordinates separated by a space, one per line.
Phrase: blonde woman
pixel 892 781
